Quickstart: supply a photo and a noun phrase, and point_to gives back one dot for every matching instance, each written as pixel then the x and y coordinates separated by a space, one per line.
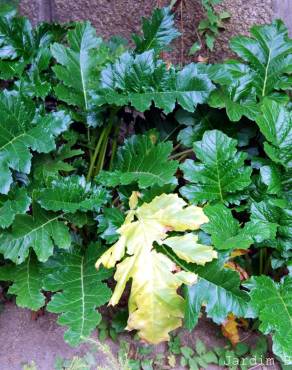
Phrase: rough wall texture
pixel 123 17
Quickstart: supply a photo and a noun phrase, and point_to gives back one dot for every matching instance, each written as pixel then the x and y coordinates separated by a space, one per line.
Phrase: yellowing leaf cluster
pixel 155 307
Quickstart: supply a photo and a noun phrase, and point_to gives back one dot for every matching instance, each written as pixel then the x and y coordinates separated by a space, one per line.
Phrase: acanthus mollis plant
pixel 111 154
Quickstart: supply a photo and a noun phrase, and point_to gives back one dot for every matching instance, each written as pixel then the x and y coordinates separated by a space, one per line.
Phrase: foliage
pixel 210 26
pixel 153 283
pixel 97 139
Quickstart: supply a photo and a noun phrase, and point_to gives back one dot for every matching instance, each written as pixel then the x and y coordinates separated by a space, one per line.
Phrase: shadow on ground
pixel 23 340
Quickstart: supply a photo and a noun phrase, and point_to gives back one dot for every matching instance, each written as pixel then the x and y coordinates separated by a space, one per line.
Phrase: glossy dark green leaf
pixel 140 80
pixel 27 281
pixel 76 68
pixel 273 304
pixel 275 224
pixel 269 54
pixel 143 160
pixel 158 31
pixel 221 172
pixel 108 223
pixel 224 229
pixel 22 129
pixel 275 123
pixel 71 194
pixel 79 290
pixel 41 232
pixel 16 202
pixel 218 290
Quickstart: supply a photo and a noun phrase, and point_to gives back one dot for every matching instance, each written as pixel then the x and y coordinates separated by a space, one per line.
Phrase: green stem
pixel 102 154
pixel 114 146
pixel 96 151
pixel 178 155
pixel 101 146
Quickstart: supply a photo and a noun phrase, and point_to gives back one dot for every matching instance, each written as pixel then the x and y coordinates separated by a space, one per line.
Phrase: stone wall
pixel 123 17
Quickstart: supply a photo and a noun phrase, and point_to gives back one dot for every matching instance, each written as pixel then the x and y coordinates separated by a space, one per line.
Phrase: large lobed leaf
pixel 79 290
pixel 275 123
pixel 41 232
pixel 226 232
pixel 221 174
pixel 236 93
pixel 269 54
pixel 140 80
pixel 72 194
pixel 27 282
pixel 23 129
pixel 268 57
pixel 16 202
pixel 218 289
pixel 77 63
pixel 141 160
pixel 158 31
pixel 273 304
pixel 155 308
pixel 275 224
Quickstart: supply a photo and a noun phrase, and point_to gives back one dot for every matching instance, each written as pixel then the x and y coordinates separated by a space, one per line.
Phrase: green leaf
pixel 16 37
pixel 27 283
pixel 187 352
pixel 236 93
pixel 220 175
pixel 40 232
pixel 225 230
pixel 275 224
pixel 268 53
pixel 77 64
pixel 197 123
pixel 17 202
pixel 22 129
pixel 275 123
pixel 241 349
pixel 236 104
pixel 158 31
pixel 109 222
pixel 200 347
pixel 194 48
pixel 141 160
pixel 273 304
pixel 48 166
pixel 218 290
pixel 81 292
pixel 72 194
pixel 271 176
pixel 210 40
pixel 141 80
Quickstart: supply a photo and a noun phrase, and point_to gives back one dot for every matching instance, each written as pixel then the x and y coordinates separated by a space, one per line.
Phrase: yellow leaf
pixel 238 252
pixel 187 248
pixel 133 200
pixel 171 361
pixel 230 329
pixel 155 307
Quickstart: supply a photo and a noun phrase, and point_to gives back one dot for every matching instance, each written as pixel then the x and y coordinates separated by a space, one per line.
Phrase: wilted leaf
pixel 155 308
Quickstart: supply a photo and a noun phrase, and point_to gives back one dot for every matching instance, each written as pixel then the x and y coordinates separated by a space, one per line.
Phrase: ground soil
pixel 23 340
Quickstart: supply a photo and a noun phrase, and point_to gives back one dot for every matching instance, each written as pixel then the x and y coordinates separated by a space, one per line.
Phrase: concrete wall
pixel 123 17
